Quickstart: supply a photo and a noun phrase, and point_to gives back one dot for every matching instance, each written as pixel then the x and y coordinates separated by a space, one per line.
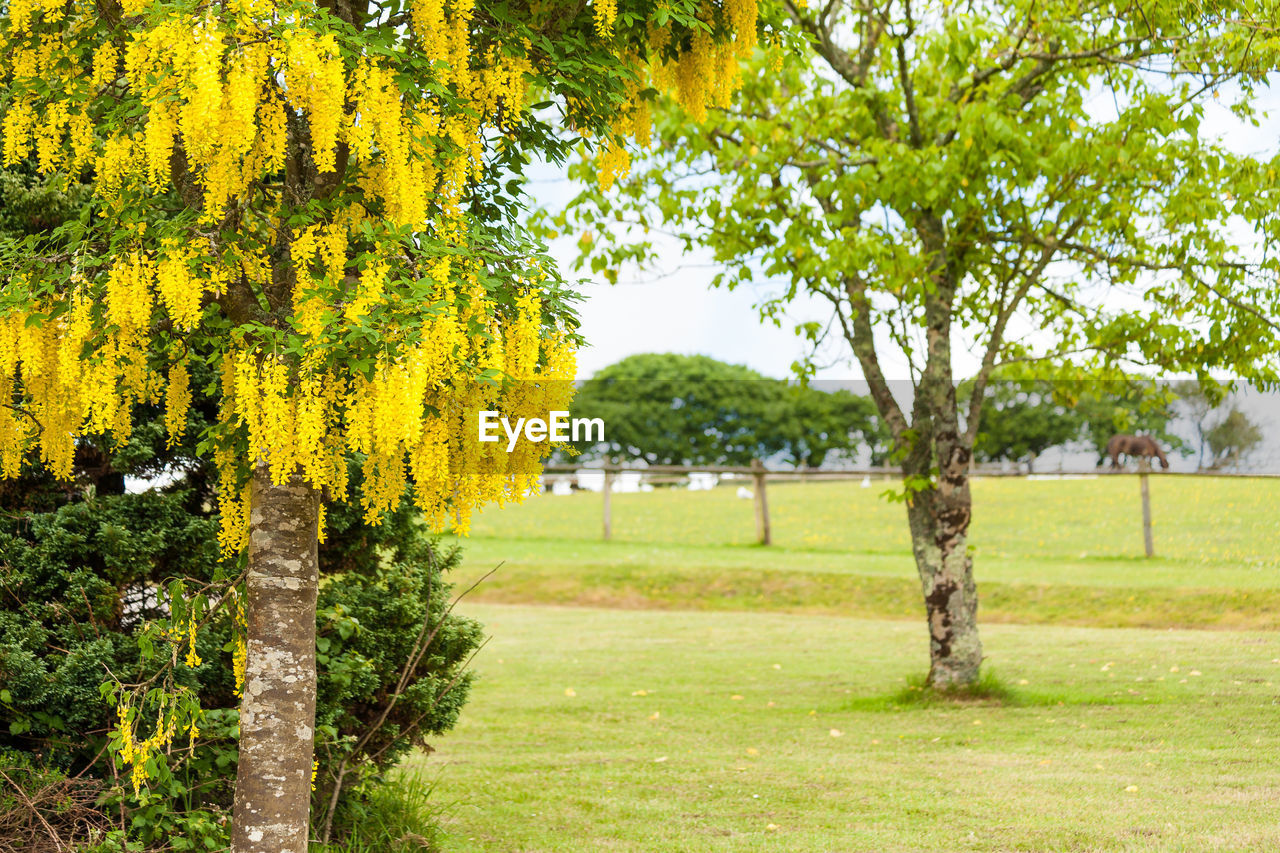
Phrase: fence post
pixel 1147 541
pixel 608 503
pixel 763 535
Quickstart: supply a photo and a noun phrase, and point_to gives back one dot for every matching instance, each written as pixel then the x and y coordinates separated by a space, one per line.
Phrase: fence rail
pixel 760 476
pixel 886 471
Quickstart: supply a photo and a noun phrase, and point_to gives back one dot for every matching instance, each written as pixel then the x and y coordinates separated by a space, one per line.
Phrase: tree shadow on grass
pixel 990 691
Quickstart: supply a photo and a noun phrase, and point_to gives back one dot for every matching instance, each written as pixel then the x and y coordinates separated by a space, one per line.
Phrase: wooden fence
pixel 761 476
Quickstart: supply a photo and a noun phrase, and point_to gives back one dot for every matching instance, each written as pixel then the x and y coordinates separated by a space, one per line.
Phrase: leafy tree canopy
pixel 319 201
pixel 691 409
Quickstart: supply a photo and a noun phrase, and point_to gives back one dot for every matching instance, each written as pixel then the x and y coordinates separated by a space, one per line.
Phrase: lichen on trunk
pixel 938 518
pixel 277 710
pixel 950 597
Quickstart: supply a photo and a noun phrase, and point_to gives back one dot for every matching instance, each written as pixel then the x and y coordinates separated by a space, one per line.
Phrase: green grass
pixel 1056 551
pixel 741 698
pixel 690 731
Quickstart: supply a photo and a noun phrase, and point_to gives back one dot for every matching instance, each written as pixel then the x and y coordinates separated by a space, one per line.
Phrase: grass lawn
pixel 708 694
pixel 1047 551
pixel 687 731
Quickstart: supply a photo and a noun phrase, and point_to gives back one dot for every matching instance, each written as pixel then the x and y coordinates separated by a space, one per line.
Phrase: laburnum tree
pixel 979 185
pixel 318 200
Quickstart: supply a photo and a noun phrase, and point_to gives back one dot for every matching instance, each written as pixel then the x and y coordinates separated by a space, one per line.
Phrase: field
pixel 1046 551
pixel 732 697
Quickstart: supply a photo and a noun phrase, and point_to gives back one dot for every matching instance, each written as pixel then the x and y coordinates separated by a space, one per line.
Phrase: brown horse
pixel 1134 445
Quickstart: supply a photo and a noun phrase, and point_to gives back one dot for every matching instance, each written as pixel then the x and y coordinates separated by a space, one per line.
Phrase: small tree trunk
pixel 940 542
pixel 277 711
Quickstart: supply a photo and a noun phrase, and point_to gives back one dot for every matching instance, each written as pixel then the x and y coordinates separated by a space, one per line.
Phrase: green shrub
pixel 80 575
pixel 388 815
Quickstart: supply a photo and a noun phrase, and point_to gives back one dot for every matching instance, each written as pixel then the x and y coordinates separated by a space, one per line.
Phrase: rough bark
pixel 939 518
pixel 950 597
pixel 277 711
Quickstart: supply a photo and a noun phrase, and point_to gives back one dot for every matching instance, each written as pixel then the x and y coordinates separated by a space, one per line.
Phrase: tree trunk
pixel 277 711
pixel 939 521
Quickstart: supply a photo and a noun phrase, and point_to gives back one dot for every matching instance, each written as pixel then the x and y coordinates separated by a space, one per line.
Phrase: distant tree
pixel 1136 406
pixel 815 424
pixel 669 409
pixel 1223 438
pixel 1022 419
pixel 1232 439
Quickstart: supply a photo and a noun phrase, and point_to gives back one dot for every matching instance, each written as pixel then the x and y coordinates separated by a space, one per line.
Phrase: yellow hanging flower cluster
pixel 38 358
pixel 415 417
pixel 742 16
pixel 613 159
pixel 177 402
pixel 192 659
pixel 134 753
pixel 180 283
pixel 66 395
pixel 606 12
pixel 240 650
pixel 315 84
pixel 704 75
